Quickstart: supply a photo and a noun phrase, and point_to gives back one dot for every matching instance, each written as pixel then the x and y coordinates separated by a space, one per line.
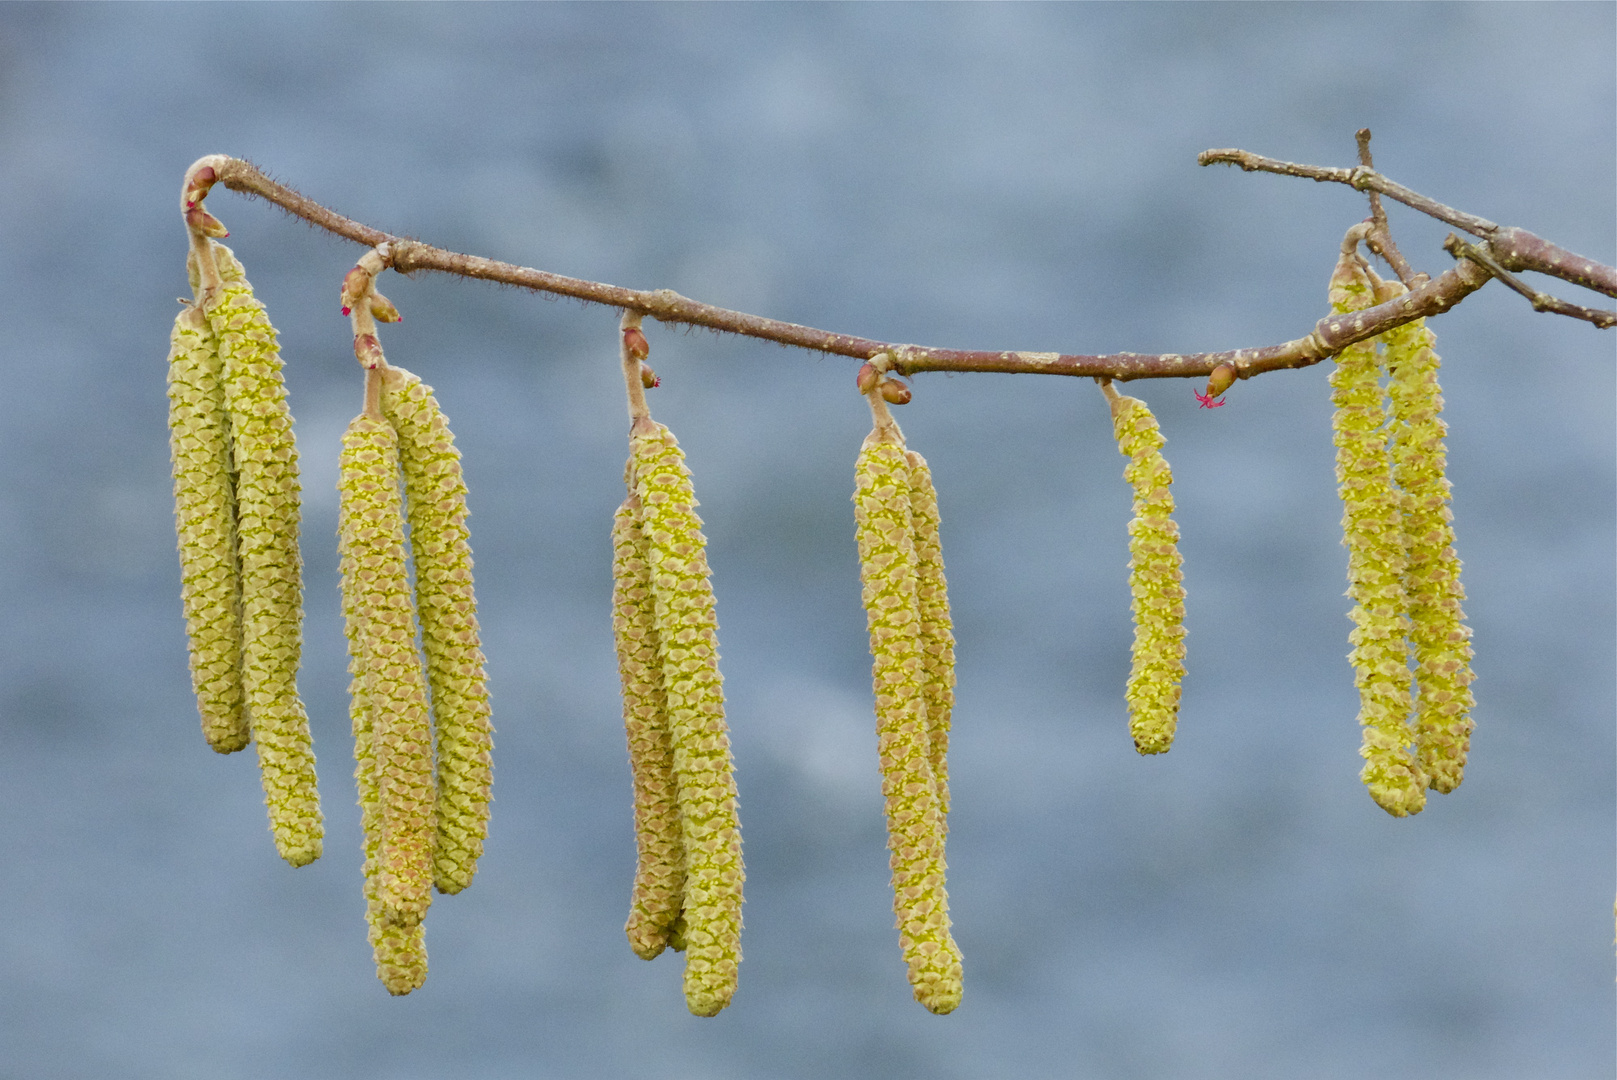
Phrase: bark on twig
pixel 1513 248
pixel 1479 254
pixel 1516 249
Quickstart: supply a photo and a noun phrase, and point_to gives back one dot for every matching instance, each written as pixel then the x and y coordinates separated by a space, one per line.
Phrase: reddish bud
pixel 636 343
pixel 866 379
pixel 368 351
pixel 205 223
pixel 895 393
pixel 353 287
pixel 648 378
pixel 200 184
pixel 383 310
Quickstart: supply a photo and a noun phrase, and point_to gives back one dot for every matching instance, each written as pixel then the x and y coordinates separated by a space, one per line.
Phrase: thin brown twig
pixel 1328 336
pixel 1540 301
pixel 1515 249
pixel 1380 239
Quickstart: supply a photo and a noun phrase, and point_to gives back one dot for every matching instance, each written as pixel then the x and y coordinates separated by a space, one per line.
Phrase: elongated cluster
pixel 1155 581
pixel 236 512
pixel 381 628
pixel 689 882
pixel 439 541
pixel 1373 531
pixel 205 518
pixel 1438 637
pixel 659 884
pixel 422 736
pixel 912 650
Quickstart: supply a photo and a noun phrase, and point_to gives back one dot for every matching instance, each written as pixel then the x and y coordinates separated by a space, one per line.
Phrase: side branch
pixel 1328 336
pixel 1515 249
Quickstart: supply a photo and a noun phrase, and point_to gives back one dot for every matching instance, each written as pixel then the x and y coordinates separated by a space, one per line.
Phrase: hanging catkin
pixel 390 707
pixel 1155 580
pixel 436 496
pixel 884 498
pixel 205 520
pixel 1438 636
pixel 1373 531
pixel 659 884
pixel 687 645
pixel 266 464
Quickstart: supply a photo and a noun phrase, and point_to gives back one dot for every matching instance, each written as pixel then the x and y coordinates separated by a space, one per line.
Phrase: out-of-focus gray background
pixel 993 177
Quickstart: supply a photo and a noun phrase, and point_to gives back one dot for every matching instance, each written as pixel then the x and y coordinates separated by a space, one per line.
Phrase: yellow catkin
pixel 400 951
pixel 659 884
pixel 682 600
pixel 915 829
pixel 1438 636
pixel 1373 531
pixel 271 570
pixel 439 542
pixel 937 629
pixel 1156 581
pixel 205 520
pixel 382 634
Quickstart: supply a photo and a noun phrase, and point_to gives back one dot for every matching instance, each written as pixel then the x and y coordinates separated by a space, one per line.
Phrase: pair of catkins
pixel 423 773
pixel 236 513
pixel 688 880
pixel 423 769
pixel 912 672
pixel 1411 647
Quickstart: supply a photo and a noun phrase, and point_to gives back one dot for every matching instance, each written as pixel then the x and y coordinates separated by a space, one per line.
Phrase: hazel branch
pixel 1540 301
pixel 1515 249
pixel 1327 337
pixel 1380 239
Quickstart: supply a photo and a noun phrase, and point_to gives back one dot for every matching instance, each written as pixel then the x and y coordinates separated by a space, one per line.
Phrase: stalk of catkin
pixel 205 520
pixel 659 884
pixel 382 633
pixel 266 463
pixel 937 629
pixel 1373 531
pixel 682 602
pixel 436 496
pixel 915 827
pixel 1155 581
pixel 1438 636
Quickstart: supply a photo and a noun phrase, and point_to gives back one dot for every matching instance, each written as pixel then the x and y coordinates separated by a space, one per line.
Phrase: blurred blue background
pixel 971 176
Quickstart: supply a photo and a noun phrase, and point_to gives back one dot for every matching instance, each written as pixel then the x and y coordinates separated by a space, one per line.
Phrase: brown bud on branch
pixel 894 392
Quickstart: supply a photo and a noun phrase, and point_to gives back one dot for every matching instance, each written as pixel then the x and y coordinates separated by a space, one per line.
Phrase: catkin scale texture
pixel 205 521
pixel 1438 637
pixel 682 601
pixel 937 628
pixel 888 561
pixel 1155 581
pixel 659 885
pixel 393 693
pixel 440 544
pixel 1373 531
pixel 265 457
